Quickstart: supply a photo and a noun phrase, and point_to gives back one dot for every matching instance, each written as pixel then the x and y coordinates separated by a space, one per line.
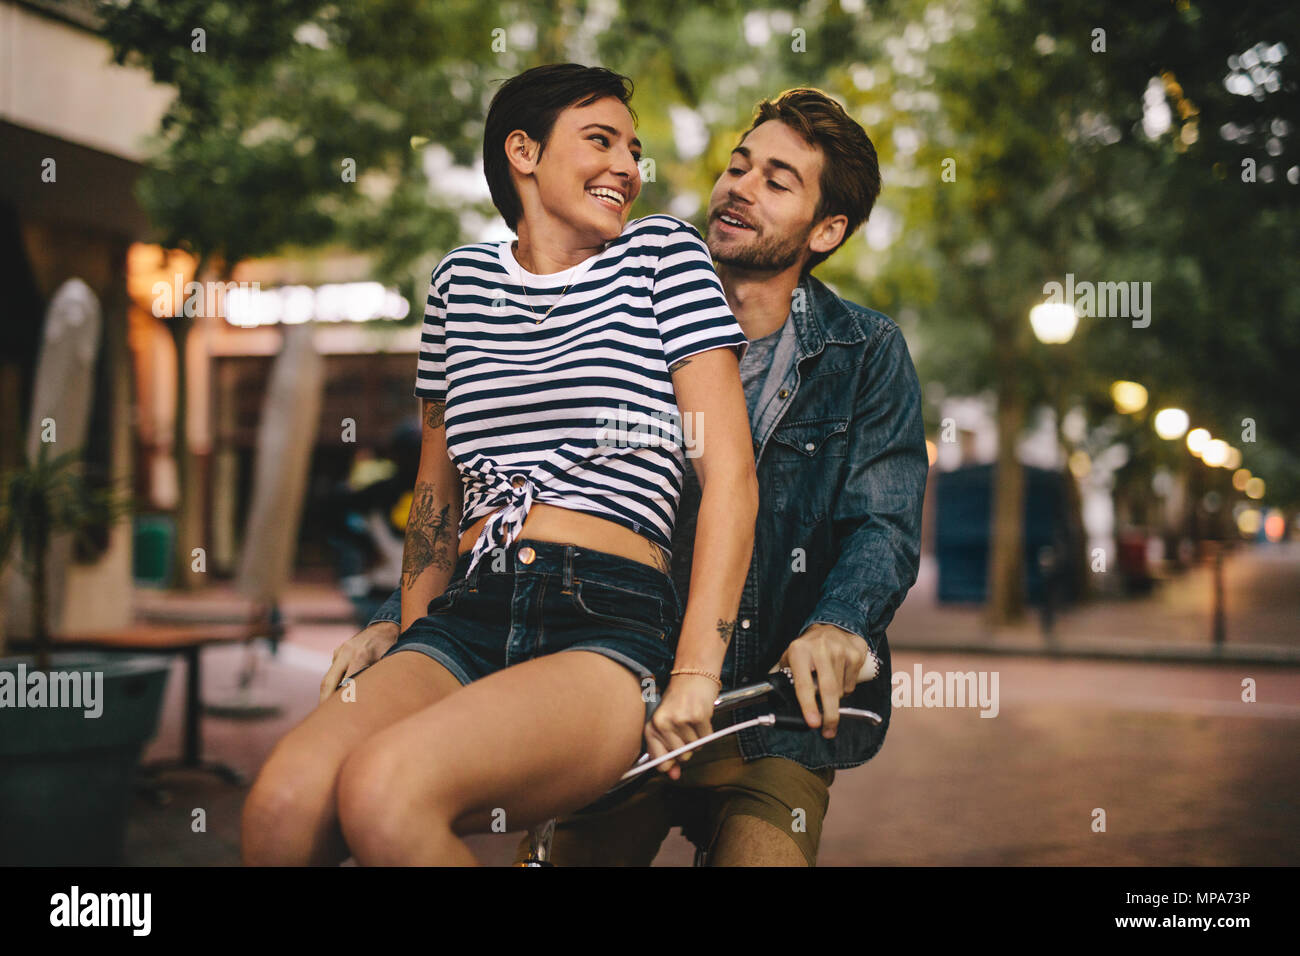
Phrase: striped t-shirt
pixel 574 408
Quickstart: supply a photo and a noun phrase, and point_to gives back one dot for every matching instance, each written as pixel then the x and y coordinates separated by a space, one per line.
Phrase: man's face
pixel 588 176
pixel 761 209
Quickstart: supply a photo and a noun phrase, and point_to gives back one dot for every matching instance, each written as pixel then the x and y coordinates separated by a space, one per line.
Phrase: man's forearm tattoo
pixel 725 630
pixel 433 413
pixel 681 363
pixel 430 535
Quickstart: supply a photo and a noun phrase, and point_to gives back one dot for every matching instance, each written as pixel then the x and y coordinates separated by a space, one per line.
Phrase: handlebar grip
pixel 788 722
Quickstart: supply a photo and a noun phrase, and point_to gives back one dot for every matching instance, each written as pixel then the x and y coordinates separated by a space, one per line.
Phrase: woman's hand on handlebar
pixel 684 714
pixel 360 650
pixel 838 658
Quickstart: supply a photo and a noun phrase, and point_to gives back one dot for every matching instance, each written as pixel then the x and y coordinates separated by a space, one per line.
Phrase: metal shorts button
pixel 527 555
pixel 745 624
pixel 808 446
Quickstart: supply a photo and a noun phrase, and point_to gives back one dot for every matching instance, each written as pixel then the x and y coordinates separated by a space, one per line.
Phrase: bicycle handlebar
pixel 779 680
pixel 742 695
pixel 735 698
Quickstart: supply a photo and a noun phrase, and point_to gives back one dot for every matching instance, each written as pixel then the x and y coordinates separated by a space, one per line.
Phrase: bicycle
pixel 779 682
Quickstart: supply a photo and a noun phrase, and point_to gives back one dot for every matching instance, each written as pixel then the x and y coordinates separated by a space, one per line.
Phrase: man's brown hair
pixel 850 180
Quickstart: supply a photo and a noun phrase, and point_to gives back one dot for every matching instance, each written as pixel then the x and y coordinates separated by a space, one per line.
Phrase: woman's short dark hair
pixel 850 180
pixel 531 102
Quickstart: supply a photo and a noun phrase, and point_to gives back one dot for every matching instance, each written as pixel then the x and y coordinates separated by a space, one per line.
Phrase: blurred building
pixel 73 130
pixel 370 361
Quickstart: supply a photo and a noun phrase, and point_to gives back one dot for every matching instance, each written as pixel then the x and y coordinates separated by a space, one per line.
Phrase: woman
pixel 542 514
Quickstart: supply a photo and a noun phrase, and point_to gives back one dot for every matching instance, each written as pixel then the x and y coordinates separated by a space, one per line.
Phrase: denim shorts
pixel 538 597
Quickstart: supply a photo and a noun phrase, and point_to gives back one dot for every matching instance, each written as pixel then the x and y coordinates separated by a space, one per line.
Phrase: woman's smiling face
pixel 587 176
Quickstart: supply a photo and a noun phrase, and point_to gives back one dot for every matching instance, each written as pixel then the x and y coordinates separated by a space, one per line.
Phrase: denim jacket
pixel 842 467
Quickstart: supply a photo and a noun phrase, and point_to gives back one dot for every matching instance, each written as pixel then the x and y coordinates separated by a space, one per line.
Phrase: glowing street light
pixel 1215 453
pixel 1171 423
pixel 1053 322
pixel 1255 488
pixel 1234 459
pixel 1240 477
pixel 1129 397
pixel 1197 439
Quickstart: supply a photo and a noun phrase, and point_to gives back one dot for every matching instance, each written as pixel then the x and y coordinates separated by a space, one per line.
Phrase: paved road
pixel 1261 599
pixel 1186 773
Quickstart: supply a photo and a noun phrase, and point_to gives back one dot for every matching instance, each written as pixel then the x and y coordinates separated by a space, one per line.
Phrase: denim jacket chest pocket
pixel 802 459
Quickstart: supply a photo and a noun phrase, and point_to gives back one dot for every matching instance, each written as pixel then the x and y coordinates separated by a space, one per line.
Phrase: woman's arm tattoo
pixel 430 535
pixel 725 630
pixel 434 413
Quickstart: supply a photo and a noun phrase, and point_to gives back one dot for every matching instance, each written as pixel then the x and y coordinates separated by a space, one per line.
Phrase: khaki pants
pixel 715 783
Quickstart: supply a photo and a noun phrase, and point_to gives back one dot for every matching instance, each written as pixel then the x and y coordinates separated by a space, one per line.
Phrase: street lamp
pixel 1053 322
pixel 1171 423
pixel 1197 439
pixel 1129 397
pixel 1215 453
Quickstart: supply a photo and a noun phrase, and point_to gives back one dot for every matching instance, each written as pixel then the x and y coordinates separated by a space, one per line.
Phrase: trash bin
pixel 155 537
pixel 1133 562
pixel 963 515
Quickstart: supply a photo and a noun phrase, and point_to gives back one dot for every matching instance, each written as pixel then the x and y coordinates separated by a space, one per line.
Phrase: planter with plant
pixel 72 723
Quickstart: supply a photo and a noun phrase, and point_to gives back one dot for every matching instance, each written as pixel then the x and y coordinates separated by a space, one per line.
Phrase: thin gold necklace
pixel 527 300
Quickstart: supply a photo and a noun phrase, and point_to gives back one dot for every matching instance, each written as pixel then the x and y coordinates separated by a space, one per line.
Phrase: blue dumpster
pixel 963 512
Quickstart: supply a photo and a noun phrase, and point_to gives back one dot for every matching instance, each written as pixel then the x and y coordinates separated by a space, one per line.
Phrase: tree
pixel 296 124
pixel 1011 145
pixel 1018 156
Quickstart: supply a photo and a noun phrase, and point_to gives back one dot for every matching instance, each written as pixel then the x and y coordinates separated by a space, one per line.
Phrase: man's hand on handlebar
pixel 684 714
pixel 360 650
pixel 837 658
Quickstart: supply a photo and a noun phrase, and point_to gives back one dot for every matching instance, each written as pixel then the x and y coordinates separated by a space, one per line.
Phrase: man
pixel 835 411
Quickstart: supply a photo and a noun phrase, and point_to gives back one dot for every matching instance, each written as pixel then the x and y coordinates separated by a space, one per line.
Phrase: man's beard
pixel 771 254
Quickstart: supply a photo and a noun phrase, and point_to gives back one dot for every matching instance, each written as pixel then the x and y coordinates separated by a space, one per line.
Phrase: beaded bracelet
pixel 701 673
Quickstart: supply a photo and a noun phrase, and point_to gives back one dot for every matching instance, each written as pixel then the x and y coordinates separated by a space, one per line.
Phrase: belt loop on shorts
pixel 566 586
pixel 471 580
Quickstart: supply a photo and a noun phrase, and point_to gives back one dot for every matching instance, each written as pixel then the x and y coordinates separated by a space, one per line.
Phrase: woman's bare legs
pixel 290 817
pixel 541 738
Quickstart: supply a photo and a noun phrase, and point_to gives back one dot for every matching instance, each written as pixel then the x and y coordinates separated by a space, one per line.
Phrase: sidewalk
pixel 306 600
pixel 1189 774
pixel 1174 622
pixel 949 788
pixel 1261 598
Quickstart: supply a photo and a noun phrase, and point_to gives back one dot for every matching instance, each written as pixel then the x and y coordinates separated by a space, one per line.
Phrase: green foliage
pixel 48 497
pixel 1054 173
pixel 45 498
pixel 250 158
